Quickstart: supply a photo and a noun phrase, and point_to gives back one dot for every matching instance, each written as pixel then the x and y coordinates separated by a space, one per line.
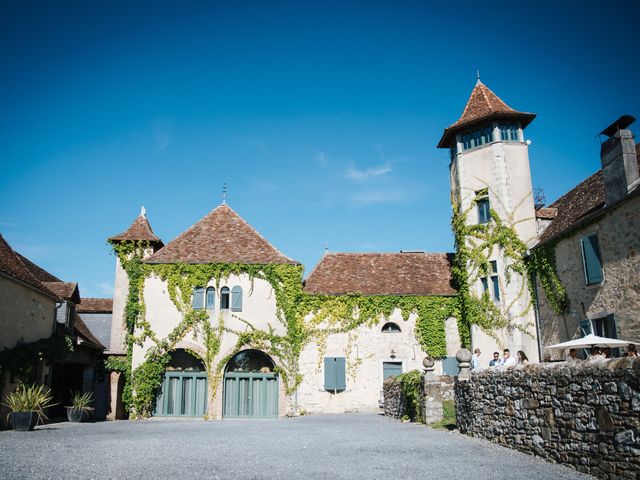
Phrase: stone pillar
pixel 464 364
pixel 432 393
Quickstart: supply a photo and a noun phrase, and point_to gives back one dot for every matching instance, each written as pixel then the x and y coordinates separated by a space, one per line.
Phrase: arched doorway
pixel 184 387
pixel 250 386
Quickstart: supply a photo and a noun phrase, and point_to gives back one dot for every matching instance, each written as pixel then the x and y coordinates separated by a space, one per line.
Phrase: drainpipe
pixel 536 313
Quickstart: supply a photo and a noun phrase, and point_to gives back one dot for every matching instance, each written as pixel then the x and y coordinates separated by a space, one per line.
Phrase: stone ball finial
pixel 428 362
pixel 463 355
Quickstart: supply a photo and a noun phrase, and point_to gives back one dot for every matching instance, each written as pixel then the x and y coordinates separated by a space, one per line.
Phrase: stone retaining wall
pixel 434 392
pixel 582 414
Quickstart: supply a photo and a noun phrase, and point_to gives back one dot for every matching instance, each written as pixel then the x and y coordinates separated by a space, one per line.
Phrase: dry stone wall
pixel 434 392
pixel 582 414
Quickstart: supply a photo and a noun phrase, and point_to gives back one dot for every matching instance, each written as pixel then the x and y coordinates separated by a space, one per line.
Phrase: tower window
pixel 509 133
pixel 477 138
pixel 224 298
pixel 491 284
pixel 482 201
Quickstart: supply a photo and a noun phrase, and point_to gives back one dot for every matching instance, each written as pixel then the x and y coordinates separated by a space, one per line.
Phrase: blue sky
pixel 322 118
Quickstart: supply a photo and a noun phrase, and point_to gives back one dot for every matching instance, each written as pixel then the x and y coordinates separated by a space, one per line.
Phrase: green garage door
pixel 182 394
pixel 250 395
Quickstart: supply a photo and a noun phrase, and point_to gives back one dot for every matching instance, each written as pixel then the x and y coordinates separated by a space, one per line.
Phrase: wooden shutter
pixel 592 262
pixel 211 298
pixel 329 373
pixel 236 299
pixel 335 374
pixel 611 327
pixel 341 373
pixel 585 327
pixel 198 298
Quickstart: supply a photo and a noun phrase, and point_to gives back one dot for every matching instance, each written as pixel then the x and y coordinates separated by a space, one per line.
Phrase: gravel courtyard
pixel 329 446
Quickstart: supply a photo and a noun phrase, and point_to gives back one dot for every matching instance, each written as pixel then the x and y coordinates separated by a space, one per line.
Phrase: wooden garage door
pixel 250 395
pixel 182 394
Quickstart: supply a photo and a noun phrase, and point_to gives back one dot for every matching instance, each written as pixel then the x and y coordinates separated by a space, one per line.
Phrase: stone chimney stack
pixel 618 158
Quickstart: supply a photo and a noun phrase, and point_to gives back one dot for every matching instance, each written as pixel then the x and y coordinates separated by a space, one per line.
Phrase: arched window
pixel 211 298
pixel 236 299
pixel 197 303
pixel 391 327
pixel 224 298
pixel 250 361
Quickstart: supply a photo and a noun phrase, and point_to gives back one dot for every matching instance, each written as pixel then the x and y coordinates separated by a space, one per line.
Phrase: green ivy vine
pixel 306 318
pixel 475 244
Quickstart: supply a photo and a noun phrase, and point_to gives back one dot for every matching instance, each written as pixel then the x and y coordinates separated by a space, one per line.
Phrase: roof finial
pixel 477 77
pixel 143 212
pixel 224 193
pixel 326 246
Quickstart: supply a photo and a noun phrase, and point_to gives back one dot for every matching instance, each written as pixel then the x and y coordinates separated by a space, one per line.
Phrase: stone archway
pixel 250 387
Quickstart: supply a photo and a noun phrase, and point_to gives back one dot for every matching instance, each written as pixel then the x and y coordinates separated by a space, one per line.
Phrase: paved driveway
pixel 313 447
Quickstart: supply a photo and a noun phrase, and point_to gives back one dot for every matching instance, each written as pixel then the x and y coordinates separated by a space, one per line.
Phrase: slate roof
pixel 83 331
pixel 95 305
pixel 585 198
pixel 140 229
pixel 220 237
pixel 12 264
pixel 483 105
pixel 382 274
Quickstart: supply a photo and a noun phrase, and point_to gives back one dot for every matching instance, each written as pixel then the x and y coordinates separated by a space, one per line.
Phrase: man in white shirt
pixel 507 360
pixel 475 359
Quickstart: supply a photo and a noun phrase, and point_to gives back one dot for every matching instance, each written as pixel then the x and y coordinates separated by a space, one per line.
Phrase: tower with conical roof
pixel 139 231
pixel 490 175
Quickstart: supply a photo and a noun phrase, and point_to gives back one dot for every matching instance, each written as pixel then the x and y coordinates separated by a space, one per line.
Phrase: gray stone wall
pixel 582 414
pixel 619 292
pixel 434 392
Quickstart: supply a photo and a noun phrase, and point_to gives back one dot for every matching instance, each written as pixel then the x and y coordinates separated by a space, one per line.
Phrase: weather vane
pixel 224 193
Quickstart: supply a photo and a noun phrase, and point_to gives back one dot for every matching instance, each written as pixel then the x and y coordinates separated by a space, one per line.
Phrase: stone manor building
pixel 238 331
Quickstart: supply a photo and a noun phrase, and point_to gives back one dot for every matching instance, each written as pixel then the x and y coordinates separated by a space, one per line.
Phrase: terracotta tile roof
pixel 583 199
pixel 382 274
pixel 140 229
pixel 546 213
pixel 40 273
pixel 483 105
pixel 95 305
pixel 220 237
pixel 83 331
pixel 66 290
pixel 12 264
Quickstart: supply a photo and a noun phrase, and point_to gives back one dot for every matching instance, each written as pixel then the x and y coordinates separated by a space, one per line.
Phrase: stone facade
pixel 619 292
pixel 582 414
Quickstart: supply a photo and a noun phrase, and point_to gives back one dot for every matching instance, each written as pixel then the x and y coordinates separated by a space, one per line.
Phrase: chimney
pixel 618 158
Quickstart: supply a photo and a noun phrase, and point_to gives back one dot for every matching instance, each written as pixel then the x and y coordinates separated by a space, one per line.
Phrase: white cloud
pixel 358 175
pixel 105 288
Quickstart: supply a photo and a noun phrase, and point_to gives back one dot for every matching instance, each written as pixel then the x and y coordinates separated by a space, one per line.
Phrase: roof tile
pixel 95 305
pixel 140 229
pixel 382 274
pixel 220 237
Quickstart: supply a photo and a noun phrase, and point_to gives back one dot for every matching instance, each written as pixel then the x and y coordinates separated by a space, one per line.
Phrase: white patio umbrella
pixel 589 341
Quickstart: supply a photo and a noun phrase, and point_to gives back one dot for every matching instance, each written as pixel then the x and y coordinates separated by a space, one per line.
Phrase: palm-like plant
pixel 30 398
pixel 82 401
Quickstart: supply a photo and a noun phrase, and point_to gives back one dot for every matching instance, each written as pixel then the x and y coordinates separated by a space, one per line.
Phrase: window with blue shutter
pixel 211 298
pixel 585 327
pixel 224 298
pixel 509 133
pixel 236 299
pixel 591 259
pixel 197 303
pixel 335 375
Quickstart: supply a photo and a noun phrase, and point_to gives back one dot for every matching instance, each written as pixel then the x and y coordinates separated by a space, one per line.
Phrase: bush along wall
pixel 582 414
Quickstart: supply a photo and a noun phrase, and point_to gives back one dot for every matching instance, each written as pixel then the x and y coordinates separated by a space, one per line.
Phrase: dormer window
pixel 477 138
pixel 509 133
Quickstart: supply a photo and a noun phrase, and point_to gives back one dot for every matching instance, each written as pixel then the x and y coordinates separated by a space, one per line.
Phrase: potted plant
pixel 27 405
pixel 81 408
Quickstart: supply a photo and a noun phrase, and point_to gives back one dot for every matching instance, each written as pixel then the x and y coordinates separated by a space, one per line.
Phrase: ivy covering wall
pixel 306 318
